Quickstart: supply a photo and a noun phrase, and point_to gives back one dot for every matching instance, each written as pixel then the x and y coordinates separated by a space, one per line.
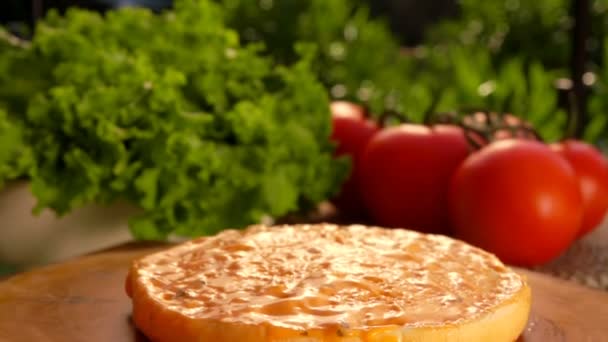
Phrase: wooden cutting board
pixel 84 300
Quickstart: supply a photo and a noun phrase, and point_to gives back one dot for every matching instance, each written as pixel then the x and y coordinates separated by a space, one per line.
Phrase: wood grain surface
pixel 84 300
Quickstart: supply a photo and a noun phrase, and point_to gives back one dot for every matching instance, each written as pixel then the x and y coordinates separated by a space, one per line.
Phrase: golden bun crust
pixel 308 283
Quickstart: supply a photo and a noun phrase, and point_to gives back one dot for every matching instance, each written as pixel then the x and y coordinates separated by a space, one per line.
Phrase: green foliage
pixel 171 113
pixel 597 130
pixel 359 59
pixel 535 33
pixel 470 80
pixel 533 30
pixel 15 155
pixel 21 75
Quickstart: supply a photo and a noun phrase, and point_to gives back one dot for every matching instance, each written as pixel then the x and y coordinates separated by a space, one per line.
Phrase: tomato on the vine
pixel 591 169
pixel 351 132
pixel 405 172
pixel 517 199
pixel 485 127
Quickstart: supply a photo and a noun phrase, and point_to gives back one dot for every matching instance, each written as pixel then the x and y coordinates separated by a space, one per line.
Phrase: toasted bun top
pixel 323 276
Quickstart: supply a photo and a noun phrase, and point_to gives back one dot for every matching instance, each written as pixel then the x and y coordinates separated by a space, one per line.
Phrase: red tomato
pixel 517 199
pixel 592 171
pixel 405 172
pixel 351 132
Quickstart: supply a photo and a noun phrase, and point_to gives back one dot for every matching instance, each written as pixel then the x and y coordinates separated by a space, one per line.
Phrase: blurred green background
pixel 504 55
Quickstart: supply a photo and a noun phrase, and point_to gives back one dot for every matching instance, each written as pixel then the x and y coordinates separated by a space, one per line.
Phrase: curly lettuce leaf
pixel 170 112
pixel 15 155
